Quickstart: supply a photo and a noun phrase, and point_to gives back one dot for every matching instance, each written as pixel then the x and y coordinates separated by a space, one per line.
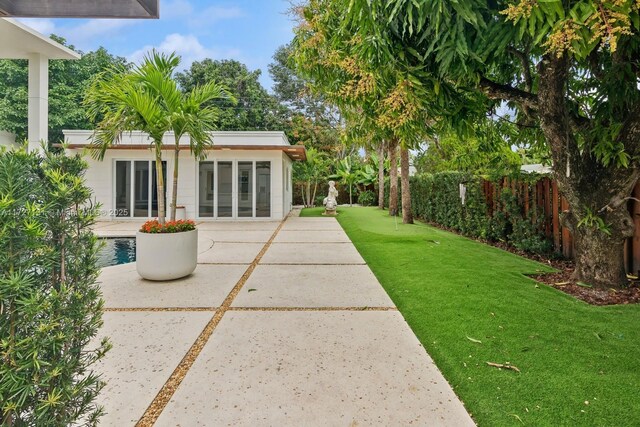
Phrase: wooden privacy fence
pixel 542 198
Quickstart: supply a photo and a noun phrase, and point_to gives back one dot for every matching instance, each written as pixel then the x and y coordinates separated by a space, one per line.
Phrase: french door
pixel 234 189
pixel 135 191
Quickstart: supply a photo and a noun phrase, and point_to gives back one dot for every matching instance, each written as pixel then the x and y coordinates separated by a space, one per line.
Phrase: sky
pixel 249 31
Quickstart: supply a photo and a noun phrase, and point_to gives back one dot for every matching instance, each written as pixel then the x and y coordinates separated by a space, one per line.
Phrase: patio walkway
pixel 281 324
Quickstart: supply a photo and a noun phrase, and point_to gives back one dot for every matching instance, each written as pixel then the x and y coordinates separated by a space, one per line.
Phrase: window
pixel 133 176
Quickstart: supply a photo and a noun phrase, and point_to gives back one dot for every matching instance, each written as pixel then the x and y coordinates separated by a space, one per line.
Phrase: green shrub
pixel 367 198
pixel 50 303
pixel 436 198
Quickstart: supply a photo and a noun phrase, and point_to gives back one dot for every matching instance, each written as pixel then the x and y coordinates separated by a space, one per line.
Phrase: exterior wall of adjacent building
pixel 101 176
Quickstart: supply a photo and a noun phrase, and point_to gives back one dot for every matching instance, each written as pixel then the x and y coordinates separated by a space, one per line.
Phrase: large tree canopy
pixel 569 69
pixel 68 81
pixel 255 109
pixel 312 120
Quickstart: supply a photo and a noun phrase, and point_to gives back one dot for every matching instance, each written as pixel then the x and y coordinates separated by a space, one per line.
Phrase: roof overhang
pixel 297 153
pixel 81 8
pixel 17 41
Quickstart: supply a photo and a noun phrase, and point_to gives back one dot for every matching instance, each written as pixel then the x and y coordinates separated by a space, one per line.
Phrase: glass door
pixel 135 193
pixel 123 189
pixel 206 182
pixel 245 189
pixel 263 189
pixel 225 189
pixel 141 180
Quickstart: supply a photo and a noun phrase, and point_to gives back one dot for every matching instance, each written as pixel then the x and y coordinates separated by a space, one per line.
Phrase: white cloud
pixel 213 14
pixel 188 47
pixel 43 26
pixel 94 28
pixel 175 9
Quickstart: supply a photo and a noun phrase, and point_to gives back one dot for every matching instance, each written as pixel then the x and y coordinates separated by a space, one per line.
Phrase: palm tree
pixel 147 98
pixel 187 112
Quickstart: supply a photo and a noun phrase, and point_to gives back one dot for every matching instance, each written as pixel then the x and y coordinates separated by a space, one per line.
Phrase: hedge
pixel 436 198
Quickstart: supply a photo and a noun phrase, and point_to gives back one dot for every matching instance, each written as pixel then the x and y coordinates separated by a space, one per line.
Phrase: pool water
pixel 116 251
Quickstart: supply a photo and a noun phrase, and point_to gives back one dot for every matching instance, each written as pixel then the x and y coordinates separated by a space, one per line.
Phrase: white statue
pixel 330 202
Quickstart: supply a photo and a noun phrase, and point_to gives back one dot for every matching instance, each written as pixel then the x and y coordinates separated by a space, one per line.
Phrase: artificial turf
pixel 579 364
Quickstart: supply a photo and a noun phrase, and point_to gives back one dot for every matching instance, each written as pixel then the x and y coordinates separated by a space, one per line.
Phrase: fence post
pixel 567 238
pixel 556 216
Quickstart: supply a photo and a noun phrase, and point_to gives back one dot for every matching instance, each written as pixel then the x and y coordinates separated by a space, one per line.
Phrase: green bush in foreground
pixel 50 304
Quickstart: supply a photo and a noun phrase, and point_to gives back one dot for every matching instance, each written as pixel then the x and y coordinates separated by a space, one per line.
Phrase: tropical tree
pixel 189 113
pixel 347 173
pixel 251 106
pixel 309 173
pixel 68 82
pixel 147 98
pixel 365 85
pixel 118 102
pixel 570 71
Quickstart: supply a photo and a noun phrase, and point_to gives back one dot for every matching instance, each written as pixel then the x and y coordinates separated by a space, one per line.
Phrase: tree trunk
pixel 313 198
pixel 393 177
pixel 160 186
pixel 174 189
pixel 350 197
pixel 598 217
pixel 381 176
pixel 407 215
pixel 308 201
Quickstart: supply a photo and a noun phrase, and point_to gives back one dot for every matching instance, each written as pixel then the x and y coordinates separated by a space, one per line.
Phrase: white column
pixel 38 108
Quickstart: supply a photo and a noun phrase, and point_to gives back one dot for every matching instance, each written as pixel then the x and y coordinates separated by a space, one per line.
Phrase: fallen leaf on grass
pixel 503 366
pixel 517 418
pixel 474 340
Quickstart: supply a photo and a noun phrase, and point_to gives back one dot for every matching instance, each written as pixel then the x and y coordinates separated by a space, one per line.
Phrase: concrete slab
pixel 310 236
pixel 311 224
pixel 239 225
pixel 312 253
pixel 314 369
pixel 251 236
pixel 230 253
pixel 312 286
pixel 114 233
pixel 147 347
pixel 208 286
pixel 119 225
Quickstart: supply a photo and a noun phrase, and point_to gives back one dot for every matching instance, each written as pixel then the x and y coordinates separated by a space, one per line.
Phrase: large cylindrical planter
pixel 166 256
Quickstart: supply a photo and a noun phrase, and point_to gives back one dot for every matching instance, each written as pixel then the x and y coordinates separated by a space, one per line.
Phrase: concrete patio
pixel 281 324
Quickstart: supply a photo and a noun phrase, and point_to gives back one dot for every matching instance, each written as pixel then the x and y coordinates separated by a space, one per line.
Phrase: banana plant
pixel 347 174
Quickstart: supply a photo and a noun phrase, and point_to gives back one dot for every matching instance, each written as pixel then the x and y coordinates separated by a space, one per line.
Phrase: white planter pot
pixel 166 256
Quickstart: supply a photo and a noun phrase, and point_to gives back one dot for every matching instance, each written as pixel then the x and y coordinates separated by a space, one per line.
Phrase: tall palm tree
pixel 147 98
pixel 188 113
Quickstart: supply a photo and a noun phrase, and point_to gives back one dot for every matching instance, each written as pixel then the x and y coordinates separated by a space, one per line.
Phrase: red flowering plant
pixel 178 226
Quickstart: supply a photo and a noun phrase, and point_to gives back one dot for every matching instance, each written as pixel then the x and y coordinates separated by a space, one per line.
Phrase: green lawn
pixel 580 365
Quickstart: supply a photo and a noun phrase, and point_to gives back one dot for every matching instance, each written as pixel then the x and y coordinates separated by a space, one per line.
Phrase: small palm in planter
pixel 166 251
pixel 147 98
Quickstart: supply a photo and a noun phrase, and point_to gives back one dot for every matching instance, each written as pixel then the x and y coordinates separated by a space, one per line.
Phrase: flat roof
pixel 146 9
pixel 222 140
pixel 18 41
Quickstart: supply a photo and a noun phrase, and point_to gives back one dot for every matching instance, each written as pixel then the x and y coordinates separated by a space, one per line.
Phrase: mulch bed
pixel 562 280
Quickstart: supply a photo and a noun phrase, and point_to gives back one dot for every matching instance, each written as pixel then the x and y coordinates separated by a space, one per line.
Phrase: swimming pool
pixel 120 250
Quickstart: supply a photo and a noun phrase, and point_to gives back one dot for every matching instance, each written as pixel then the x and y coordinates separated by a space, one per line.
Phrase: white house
pixel 17 41
pixel 246 175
